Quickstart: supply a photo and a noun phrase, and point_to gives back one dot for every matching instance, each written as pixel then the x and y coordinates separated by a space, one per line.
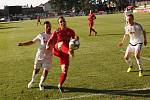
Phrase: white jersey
pixel 42 53
pixel 135 32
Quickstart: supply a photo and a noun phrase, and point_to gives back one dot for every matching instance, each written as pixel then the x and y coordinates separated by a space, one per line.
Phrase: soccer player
pixel 43 57
pixel 91 18
pixel 136 34
pixel 60 40
pixel 38 20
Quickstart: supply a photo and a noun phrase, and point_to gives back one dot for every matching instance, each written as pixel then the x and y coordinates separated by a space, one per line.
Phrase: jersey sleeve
pixel 72 34
pixel 141 28
pixel 52 40
pixel 94 16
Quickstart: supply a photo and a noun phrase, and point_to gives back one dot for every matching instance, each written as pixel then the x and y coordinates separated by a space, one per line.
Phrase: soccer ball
pixel 74 44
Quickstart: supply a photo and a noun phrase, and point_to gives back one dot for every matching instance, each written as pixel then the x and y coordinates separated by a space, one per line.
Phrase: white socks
pixel 42 79
pixel 139 62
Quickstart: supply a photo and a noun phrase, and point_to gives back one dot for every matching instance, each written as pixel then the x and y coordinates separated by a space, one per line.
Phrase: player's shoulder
pixel 137 23
pixel 42 33
pixel 57 30
pixel 69 29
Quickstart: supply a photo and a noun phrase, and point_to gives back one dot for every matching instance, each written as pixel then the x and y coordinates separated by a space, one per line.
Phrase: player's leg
pixel 94 31
pixel 37 23
pixel 64 62
pixel 138 59
pixel 42 79
pixel 127 58
pixel 47 64
pixel 90 28
pixel 34 75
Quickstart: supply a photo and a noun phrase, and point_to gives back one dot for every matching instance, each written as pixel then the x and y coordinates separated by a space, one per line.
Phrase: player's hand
pixel 120 45
pixel 71 53
pixel 59 46
pixel 145 42
pixel 77 37
pixel 20 44
pixel 47 47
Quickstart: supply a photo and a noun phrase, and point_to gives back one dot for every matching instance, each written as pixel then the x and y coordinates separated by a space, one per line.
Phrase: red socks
pixel 62 78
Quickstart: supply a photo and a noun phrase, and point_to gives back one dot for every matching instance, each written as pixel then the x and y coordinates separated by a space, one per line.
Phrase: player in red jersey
pixel 91 18
pixel 60 40
pixel 38 20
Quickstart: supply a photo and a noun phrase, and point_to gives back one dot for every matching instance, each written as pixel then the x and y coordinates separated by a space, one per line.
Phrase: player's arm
pixel 120 44
pixel 25 43
pixel 51 42
pixel 144 35
pixel 94 16
pixel 145 38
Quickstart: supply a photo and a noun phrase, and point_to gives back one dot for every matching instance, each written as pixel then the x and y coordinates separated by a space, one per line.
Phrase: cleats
pixel 61 89
pixel 30 84
pixel 129 69
pixel 140 73
pixel 41 87
pixel 95 33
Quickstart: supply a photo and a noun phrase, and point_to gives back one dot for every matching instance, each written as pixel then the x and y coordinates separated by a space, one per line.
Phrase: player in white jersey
pixel 43 57
pixel 136 34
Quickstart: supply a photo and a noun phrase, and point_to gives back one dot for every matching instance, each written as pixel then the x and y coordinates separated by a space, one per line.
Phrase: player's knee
pixel 36 68
pixel 125 57
pixel 137 56
pixel 47 69
pixel 64 68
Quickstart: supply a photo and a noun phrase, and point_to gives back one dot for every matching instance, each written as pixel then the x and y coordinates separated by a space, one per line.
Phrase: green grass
pixel 98 66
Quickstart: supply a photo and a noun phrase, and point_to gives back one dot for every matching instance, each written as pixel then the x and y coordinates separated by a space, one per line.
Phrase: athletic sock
pixel 42 79
pixel 139 62
pixel 62 78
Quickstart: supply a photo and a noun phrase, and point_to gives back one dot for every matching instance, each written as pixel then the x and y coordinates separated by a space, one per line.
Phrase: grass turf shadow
pixel 131 92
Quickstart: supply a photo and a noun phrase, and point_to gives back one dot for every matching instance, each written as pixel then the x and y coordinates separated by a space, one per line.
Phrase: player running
pixel 38 20
pixel 43 57
pixel 136 34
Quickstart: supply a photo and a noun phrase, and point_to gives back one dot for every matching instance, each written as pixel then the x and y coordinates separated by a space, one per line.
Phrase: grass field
pixel 97 72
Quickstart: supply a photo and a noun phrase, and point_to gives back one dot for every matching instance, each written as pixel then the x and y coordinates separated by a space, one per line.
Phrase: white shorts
pixel 134 48
pixel 45 63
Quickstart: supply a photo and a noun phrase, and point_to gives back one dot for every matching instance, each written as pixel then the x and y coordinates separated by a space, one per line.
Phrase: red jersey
pixel 38 18
pixel 61 36
pixel 91 17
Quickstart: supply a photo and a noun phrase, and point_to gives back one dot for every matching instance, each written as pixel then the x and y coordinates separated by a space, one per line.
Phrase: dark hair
pixel 47 22
pixel 131 15
pixel 60 17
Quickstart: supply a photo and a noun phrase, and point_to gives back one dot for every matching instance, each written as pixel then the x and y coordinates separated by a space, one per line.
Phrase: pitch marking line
pixel 106 93
pixel 145 58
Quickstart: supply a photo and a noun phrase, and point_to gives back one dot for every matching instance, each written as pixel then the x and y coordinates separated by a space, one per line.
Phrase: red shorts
pixel 63 54
pixel 91 24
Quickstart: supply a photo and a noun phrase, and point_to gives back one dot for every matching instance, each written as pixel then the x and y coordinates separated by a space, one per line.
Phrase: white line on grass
pixel 145 58
pixel 106 93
